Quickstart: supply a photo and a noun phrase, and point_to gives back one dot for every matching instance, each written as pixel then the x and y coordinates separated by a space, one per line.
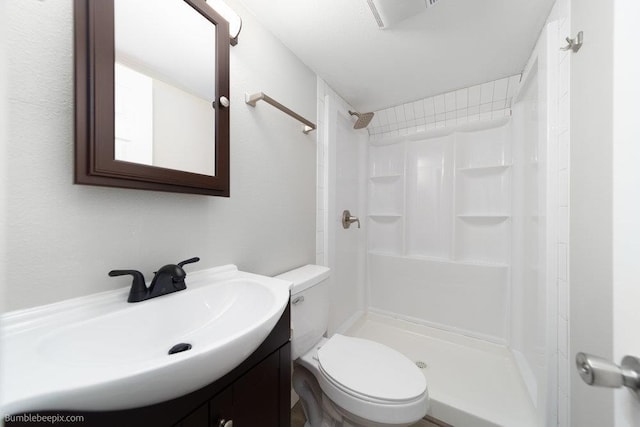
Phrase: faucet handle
pixel 137 276
pixel 188 261
pixel 176 272
pixel 138 286
pixel 348 219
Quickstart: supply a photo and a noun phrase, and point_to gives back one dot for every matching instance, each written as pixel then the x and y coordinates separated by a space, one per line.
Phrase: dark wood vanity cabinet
pixel 256 393
pixel 254 399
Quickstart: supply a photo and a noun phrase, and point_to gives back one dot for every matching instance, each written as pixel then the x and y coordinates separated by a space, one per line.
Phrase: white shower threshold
pixel 471 383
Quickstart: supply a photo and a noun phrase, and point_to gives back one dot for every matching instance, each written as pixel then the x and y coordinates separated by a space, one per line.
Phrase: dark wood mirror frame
pixel 95 162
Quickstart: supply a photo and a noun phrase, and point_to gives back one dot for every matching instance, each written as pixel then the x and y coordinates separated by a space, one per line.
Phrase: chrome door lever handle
pixel 600 372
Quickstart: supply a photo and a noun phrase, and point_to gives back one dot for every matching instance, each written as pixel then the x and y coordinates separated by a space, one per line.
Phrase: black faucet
pixel 169 278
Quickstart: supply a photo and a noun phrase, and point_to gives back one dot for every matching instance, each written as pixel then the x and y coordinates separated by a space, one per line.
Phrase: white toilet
pixel 346 381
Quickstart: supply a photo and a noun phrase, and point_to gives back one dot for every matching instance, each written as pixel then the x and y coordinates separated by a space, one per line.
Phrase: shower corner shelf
pixel 480 262
pixel 384 253
pixel 493 218
pixel 487 169
pixel 386 177
pixel 484 215
pixel 428 257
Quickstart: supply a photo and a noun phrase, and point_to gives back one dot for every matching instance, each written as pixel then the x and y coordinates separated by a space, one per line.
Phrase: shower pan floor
pixel 471 383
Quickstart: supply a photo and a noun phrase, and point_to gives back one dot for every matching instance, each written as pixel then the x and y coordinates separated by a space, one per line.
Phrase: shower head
pixel 363 119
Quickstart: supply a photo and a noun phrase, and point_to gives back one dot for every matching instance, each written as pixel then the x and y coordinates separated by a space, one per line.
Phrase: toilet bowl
pixel 343 378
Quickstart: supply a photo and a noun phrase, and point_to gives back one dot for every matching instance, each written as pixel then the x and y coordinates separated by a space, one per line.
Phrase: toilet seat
pixel 368 379
pixel 370 370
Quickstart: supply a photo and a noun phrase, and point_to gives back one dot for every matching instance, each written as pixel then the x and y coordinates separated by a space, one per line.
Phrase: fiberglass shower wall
pixel 461 228
pixel 342 154
pixel 534 332
pixel 440 227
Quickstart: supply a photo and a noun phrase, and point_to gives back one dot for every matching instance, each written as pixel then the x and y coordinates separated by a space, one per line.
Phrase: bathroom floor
pixel 471 382
pixel 297 418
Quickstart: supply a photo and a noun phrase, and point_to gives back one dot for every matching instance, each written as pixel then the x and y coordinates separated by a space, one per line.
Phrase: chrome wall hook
pixel 574 44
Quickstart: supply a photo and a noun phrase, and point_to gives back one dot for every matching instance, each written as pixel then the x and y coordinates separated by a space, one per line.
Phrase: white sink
pixel 100 353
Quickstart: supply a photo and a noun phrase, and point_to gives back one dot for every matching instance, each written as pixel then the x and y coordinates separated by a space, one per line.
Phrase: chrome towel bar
pixel 261 96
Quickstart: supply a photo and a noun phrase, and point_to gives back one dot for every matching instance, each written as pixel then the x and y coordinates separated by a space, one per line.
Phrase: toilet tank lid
pixel 304 277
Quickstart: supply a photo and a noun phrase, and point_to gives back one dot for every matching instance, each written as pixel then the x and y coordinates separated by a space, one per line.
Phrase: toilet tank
pixel 309 306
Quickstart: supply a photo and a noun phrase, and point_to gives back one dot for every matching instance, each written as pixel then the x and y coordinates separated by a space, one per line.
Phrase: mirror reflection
pixel 164 85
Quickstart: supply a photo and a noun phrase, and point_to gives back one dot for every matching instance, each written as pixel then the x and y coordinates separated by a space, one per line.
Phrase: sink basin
pixel 100 353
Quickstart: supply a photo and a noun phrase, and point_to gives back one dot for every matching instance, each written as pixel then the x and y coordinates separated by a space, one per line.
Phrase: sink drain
pixel 420 364
pixel 179 348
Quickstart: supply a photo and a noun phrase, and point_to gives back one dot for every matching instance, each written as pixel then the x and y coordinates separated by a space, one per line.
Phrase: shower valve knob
pixel 348 219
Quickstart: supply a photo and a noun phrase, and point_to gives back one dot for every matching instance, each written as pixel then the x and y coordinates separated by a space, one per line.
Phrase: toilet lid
pixel 370 369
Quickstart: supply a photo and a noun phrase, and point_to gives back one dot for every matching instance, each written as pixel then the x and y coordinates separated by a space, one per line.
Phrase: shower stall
pixel 455 262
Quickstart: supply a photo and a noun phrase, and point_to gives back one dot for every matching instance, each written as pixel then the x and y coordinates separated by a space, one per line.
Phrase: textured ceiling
pixel 452 44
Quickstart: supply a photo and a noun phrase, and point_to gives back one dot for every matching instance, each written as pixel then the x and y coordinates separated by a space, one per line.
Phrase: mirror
pixel 149 78
pixel 160 86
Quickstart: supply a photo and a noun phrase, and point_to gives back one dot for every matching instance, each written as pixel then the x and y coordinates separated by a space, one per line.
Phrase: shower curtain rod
pixel 261 96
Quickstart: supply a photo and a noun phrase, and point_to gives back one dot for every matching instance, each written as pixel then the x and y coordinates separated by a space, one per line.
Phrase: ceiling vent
pixel 390 12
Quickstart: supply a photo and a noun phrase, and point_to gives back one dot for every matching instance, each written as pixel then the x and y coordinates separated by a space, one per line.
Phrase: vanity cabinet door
pixel 221 408
pixel 255 395
pixel 262 396
pixel 198 418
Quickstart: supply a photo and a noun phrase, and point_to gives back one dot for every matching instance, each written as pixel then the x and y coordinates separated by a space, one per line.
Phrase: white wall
pixel 604 203
pixel 3 141
pixel 64 238
pixel 626 198
pixel 591 218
